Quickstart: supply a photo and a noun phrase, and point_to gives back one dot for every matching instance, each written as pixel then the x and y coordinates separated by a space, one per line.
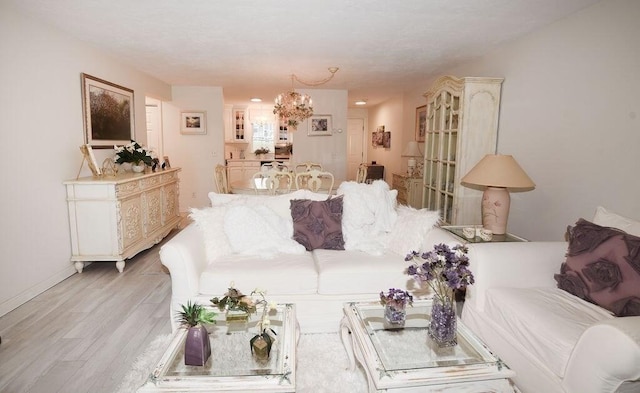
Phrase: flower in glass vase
pixel 445 270
pixel 395 302
pixel 134 153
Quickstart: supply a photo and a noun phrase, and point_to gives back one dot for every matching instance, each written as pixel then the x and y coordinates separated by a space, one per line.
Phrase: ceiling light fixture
pixel 361 102
pixel 256 99
pixel 293 107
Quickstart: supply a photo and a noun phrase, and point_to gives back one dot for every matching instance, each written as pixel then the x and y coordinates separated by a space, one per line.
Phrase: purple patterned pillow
pixel 603 267
pixel 318 224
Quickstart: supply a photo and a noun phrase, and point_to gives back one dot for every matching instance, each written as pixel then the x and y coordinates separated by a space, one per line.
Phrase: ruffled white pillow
pixel 410 229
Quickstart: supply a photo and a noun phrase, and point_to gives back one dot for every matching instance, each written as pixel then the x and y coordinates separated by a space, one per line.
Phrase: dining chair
pixel 307 166
pixel 314 180
pixel 221 179
pixel 361 174
pixel 272 181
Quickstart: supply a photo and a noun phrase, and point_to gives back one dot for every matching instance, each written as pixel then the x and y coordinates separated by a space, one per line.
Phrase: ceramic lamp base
pixel 495 209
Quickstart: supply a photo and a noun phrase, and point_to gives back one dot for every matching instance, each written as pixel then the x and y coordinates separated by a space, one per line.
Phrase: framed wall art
pixel 108 113
pixel 193 123
pixel 386 139
pixel 421 123
pixel 319 125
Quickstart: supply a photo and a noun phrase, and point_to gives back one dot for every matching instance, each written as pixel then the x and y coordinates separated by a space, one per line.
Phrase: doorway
pixel 154 125
pixel 356 153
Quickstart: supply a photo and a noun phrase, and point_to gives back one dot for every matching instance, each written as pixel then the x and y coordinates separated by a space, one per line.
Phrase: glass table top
pixel 410 347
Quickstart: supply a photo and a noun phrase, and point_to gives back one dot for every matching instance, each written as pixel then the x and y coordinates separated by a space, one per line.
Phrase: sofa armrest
pixel 512 265
pixel 606 356
pixel 184 256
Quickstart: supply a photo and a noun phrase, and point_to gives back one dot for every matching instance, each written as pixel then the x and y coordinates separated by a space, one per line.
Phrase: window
pixel 263 135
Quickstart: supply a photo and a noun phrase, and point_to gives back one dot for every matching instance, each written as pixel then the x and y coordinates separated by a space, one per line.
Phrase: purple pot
pixel 197 347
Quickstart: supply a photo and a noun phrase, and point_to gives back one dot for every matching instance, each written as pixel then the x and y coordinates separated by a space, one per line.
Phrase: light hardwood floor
pixel 82 334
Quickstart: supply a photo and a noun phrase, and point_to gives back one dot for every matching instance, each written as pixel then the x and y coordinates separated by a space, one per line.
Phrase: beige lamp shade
pixel 496 170
pixel 411 150
pixel 497 173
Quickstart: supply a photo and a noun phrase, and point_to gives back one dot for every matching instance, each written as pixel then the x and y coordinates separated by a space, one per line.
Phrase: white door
pixel 154 127
pixel 355 146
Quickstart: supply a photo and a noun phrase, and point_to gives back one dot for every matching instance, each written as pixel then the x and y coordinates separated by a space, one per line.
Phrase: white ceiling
pixel 251 47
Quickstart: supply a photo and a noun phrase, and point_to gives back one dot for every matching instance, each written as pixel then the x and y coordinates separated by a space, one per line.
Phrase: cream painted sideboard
pixel 114 218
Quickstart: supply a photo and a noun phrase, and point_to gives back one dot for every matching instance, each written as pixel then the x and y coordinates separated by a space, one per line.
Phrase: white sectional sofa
pixel 553 340
pixel 230 242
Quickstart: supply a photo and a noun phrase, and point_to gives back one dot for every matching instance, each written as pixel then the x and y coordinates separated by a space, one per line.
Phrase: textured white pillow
pixel 258 230
pixel 410 229
pixel 211 222
pixel 368 215
pixel 606 218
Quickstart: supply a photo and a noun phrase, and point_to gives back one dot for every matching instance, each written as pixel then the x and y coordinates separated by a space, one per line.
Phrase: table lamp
pixel 497 172
pixel 412 151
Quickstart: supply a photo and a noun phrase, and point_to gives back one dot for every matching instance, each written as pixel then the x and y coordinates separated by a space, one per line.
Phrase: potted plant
pixel 236 305
pixel 197 347
pixel 133 153
pixel 262 342
pixel 395 302
pixel 445 270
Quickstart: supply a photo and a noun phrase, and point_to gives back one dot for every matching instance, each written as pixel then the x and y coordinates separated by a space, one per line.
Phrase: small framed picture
pixel 319 125
pixel 193 123
pixel 87 152
pixel 386 139
pixel 165 163
pixel 421 123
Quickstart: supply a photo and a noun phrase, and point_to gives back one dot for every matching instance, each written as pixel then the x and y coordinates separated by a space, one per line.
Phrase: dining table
pixel 258 186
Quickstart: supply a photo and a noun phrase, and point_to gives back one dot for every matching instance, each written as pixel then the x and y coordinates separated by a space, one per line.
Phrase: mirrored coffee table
pixel 231 366
pixel 408 360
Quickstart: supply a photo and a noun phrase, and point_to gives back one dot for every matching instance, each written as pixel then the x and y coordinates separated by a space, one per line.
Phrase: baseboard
pixel 36 290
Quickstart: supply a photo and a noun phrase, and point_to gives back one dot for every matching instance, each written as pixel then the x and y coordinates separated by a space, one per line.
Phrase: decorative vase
pixel 237 316
pixel 395 314
pixel 261 346
pixel 137 168
pixel 197 347
pixel 442 328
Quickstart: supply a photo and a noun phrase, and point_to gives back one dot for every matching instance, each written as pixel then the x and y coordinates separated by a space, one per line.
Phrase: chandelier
pixel 293 107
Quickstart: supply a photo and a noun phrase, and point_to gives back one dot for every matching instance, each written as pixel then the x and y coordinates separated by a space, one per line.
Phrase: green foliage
pixel 193 314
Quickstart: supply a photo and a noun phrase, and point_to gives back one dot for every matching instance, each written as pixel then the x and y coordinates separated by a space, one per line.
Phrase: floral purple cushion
pixel 318 224
pixel 602 267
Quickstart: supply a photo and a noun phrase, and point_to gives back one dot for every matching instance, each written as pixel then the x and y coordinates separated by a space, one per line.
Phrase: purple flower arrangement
pixel 396 297
pixel 444 269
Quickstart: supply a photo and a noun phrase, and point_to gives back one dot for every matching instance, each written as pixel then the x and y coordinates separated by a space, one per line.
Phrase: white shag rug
pixel 322 366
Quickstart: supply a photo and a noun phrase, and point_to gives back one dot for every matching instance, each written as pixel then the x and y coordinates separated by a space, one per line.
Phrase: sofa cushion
pixel 547 321
pixel 285 274
pixel 318 224
pixel 607 218
pixel 357 272
pixel 603 267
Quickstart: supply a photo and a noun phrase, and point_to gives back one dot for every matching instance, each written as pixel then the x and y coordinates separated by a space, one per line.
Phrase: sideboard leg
pixel 79 265
pixel 120 266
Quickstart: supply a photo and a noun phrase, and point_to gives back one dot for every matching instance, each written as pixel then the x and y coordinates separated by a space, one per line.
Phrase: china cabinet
pixel 114 218
pixel 409 189
pixel 462 127
pixel 240 119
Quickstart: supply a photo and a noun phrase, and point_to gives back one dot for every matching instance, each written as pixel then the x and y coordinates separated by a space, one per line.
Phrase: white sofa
pixel 319 282
pixel 553 340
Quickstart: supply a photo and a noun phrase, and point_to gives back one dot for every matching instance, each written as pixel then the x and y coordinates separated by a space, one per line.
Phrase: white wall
pixel 570 115
pixel 197 155
pixel 330 151
pixel 41 129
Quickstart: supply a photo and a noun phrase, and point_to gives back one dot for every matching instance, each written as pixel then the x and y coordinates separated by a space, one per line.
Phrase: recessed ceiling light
pixel 361 102
pixel 256 99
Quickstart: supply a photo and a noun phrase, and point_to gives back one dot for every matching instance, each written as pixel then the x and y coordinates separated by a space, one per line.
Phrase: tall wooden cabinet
pixel 114 218
pixel 462 127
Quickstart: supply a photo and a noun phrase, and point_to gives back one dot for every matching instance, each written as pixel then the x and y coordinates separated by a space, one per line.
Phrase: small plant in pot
pixel 197 347
pixel 262 342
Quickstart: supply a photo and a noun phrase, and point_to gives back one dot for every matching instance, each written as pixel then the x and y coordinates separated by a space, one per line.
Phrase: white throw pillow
pixel 258 230
pixel 411 229
pixel 606 218
pixel 211 222
pixel 368 215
